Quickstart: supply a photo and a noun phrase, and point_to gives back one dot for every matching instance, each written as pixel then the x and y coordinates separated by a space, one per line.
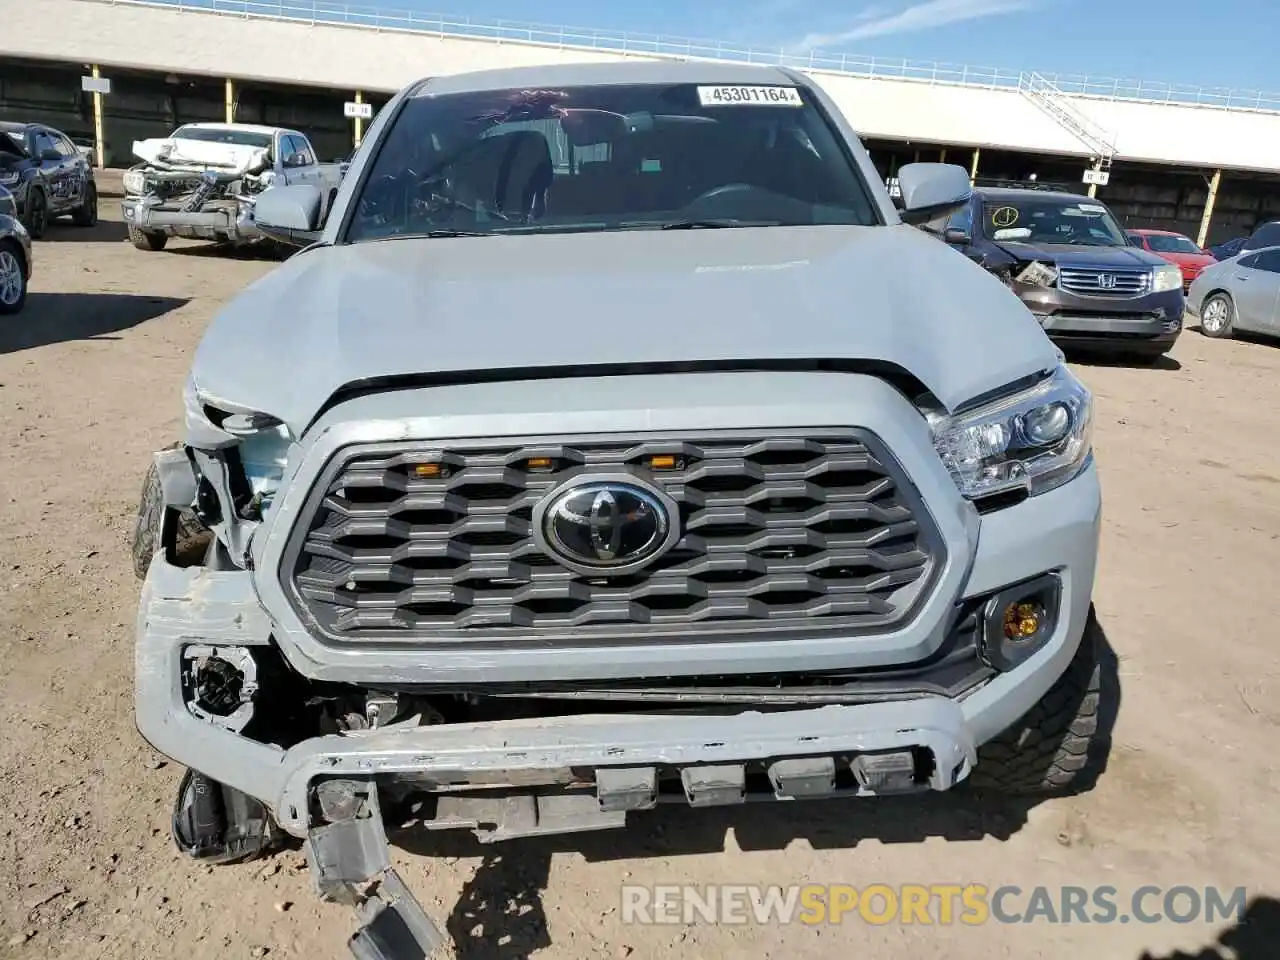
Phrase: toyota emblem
pixel 606 524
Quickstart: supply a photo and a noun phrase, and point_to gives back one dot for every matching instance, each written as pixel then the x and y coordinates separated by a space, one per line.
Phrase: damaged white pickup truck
pixel 202 180
pixel 618 442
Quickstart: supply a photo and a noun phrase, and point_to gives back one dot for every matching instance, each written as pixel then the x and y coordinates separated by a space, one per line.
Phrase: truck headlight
pixel 261 441
pixel 134 183
pixel 1034 440
pixel 1165 278
pixel 9 177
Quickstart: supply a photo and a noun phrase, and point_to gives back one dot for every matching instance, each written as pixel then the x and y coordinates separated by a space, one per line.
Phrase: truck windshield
pixel 244 138
pixel 1051 220
pixel 609 157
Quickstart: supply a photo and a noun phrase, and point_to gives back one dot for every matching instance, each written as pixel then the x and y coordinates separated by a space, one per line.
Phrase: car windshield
pixel 12 142
pixel 244 138
pixel 1047 220
pixel 609 157
pixel 1163 243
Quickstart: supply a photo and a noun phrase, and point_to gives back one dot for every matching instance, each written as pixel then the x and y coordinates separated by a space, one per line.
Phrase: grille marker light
pixel 663 461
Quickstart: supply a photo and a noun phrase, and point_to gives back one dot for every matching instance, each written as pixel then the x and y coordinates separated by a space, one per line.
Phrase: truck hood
pixel 181 153
pixel 1078 255
pixel 331 316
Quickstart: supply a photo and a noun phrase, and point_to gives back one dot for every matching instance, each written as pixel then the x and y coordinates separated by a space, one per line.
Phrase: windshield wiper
pixel 440 234
pixel 707 223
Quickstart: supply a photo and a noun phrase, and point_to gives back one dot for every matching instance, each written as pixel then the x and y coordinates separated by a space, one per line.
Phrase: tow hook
pixel 351 863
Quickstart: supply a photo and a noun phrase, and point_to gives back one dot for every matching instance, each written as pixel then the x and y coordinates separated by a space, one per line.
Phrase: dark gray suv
pixel 1070 262
pixel 48 176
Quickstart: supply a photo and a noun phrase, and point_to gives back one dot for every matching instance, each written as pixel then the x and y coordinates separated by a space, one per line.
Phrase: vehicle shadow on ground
pixel 58 317
pixel 1255 937
pixel 500 916
pixel 236 251
pixel 104 231
pixel 1251 336
pixel 1091 359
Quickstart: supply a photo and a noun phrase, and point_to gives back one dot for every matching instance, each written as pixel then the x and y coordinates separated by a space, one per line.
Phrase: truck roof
pixel 247 127
pixel 594 74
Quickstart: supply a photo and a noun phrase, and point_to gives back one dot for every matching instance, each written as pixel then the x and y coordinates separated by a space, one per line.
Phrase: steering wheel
pixel 724 190
pixel 383 197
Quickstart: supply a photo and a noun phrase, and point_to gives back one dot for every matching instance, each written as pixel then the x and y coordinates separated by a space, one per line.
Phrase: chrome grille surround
pixel 1091 282
pixel 800 532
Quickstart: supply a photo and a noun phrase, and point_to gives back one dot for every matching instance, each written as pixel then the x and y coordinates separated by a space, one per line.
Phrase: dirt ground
pixel 90 379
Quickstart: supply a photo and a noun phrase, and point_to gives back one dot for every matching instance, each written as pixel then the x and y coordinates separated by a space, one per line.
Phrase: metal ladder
pixel 1046 95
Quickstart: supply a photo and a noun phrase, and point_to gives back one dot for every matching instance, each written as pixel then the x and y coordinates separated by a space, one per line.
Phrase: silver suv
pixel 617 441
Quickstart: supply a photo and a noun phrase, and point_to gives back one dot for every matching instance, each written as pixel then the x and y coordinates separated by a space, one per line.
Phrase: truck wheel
pixel 192 538
pixel 1218 316
pixel 86 215
pixel 1060 743
pixel 147 239
pixel 36 219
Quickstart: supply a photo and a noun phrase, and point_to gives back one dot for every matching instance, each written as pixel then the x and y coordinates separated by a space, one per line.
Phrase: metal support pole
pixel 231 100
pixel 99 141
pixel 1209 202
pixel 359 127
pixel 942 157
pixel 973 167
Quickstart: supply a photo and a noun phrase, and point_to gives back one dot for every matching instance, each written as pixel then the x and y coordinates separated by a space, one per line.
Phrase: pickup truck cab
pixel 202 180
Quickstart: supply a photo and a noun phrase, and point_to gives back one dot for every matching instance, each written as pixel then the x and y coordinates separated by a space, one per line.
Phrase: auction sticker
pixel 1004 216
pixel 749 97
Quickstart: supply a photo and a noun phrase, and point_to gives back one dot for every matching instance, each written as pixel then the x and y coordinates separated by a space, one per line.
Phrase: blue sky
pixel 1219 43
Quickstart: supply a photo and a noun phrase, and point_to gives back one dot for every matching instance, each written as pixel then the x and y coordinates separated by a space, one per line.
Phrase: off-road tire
pixel 86 215
pixel 36 217
pixel 192 538
pixel 1060 744
pixel 147 239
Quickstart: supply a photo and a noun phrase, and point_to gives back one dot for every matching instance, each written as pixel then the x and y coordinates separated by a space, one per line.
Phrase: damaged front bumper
pixel 225 220
pixel 585 771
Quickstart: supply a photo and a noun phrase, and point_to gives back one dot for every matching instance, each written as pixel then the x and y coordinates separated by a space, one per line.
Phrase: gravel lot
pixel 90 379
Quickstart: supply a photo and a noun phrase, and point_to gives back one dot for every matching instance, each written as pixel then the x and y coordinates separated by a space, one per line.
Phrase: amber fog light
pixel 1019 620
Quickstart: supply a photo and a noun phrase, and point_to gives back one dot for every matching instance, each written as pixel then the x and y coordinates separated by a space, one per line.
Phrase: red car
pixel 1177 249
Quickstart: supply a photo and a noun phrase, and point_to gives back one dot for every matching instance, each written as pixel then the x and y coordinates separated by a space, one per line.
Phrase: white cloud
pixel 874 22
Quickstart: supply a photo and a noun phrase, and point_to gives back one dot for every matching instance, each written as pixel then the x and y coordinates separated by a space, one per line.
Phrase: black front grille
pixel 820 528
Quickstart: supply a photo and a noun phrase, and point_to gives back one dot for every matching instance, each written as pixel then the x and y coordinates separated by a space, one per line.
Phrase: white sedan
pixel 1242 293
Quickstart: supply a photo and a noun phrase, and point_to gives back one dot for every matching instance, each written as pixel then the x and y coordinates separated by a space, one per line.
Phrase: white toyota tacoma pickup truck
pixel 202 180
pixel 617 442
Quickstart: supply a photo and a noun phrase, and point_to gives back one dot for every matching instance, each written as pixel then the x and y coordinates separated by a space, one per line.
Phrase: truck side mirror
pixel 290 213
pixel 931 191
